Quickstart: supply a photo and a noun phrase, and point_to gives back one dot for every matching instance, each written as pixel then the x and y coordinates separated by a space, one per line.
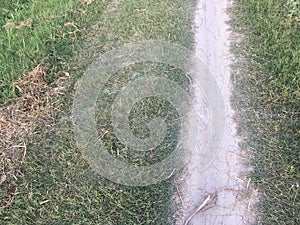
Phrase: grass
pixel 55 185
pixel 267 96
pixel 35 32
pixel 141 114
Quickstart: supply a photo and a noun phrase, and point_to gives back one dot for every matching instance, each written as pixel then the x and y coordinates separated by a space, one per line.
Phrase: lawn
pixel 267 97
pixel 50 182
pixel 53 42
pixel 35 32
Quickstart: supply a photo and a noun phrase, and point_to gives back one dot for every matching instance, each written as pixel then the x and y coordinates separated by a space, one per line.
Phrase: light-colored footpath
pixel 221 194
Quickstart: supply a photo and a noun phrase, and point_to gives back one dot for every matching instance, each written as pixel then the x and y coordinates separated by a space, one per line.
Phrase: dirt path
pixel 220 193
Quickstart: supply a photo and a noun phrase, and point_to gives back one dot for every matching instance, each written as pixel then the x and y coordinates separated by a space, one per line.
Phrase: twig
pixel 203 204
pixel 208 200
pixel 24 152
pixel 171 174
pixel 248 184
pixel 178 192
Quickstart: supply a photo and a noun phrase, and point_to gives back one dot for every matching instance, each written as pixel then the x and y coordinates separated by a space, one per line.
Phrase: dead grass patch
pixel 36 105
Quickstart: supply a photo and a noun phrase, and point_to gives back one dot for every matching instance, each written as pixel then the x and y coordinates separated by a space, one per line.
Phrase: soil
pixel 222 192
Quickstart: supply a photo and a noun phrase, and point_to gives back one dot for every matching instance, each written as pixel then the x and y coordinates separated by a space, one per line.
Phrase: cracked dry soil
pixel 221 194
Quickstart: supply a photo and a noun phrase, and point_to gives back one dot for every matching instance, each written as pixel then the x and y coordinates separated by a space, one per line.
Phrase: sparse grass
pixel 267 96
pixel 55 185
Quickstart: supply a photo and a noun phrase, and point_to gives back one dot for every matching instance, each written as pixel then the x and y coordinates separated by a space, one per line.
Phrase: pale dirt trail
pixel 221 191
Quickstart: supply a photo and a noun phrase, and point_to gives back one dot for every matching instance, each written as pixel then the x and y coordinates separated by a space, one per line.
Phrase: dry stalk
pixel 206 201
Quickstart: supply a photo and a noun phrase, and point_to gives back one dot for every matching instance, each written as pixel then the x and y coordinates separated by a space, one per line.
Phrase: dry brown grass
pixel 88 2
pixel 36 104
pixel 18 25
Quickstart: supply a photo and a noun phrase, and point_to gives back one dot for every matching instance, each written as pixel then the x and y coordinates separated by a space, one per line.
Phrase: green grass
pixel 49 38
pixel 141 114
pixel 55 185
pixel 267 100
pixel 56 172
